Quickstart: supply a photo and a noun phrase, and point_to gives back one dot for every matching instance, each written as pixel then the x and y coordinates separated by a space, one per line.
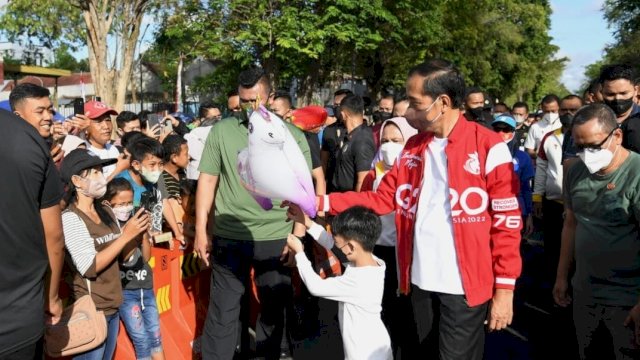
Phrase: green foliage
pixel 50 22
pixel 501 46
pixel 64 60
pixel 623 16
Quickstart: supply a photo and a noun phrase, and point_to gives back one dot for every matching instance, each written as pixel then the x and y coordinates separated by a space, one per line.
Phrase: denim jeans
pixel 139 314
pixel 108 347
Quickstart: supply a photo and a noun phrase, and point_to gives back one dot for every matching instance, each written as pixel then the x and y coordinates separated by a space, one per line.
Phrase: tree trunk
pixel 99 15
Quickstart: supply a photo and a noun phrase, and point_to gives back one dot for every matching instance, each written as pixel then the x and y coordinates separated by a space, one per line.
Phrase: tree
pixel 624 18
pixel 306 40
pixel 501 46
pixel 62 59
pixel 94 23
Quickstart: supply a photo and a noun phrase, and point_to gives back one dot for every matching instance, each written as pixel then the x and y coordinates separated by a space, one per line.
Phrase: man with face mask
pixel 618 92
pixel 332 136
pixel 454 193
pixel 474 107
pixel 550 121
pixel 600 237
pixel 547 194
pixel 241 235
pixel 384 113
pixel 520 113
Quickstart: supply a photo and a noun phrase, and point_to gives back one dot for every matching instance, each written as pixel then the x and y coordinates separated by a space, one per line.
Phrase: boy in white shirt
pixel 359 290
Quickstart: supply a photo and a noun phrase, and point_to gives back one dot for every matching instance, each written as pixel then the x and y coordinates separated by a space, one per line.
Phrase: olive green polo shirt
pixel 237 215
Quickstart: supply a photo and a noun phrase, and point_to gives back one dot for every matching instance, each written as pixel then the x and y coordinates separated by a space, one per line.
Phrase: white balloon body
pixel 273 167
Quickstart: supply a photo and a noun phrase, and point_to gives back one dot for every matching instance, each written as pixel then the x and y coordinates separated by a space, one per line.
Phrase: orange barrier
pixel 182 293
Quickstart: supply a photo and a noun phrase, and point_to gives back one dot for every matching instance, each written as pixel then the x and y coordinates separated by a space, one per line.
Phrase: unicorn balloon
pixel 272 166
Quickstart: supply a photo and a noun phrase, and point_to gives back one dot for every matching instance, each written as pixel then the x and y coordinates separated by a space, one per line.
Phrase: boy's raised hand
pixel 294 243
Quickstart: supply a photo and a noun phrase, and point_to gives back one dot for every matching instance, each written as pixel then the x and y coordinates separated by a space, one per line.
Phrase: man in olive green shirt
pixel 602 213
pixel 245 236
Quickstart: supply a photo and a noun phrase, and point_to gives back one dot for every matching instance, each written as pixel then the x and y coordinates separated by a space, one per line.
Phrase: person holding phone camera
pixel 98 136
pixel 94 241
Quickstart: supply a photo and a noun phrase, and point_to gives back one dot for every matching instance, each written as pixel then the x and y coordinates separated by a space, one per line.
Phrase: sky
pixel 579 29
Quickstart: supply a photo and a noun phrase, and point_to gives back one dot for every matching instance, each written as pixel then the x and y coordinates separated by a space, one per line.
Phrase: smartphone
pixel 78 106
pixel 148 200
pixel 168 126
pixel 152 121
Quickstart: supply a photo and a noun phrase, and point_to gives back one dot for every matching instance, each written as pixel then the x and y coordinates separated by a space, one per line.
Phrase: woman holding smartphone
pixel 94 240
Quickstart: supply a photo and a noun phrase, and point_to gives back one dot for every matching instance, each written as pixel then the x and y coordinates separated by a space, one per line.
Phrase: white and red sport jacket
pixel 485 214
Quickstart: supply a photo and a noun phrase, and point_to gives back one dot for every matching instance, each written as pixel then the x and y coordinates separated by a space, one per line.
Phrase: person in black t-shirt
pixel 356 150
pixel 474 103
pixel 31 238
pixel 619 92
pixel 333 138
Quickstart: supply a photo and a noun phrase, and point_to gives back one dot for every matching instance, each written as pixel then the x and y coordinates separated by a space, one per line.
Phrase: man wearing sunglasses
pixel 600 236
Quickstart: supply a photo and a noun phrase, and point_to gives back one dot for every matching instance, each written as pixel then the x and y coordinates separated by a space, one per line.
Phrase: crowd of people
pixel 424 205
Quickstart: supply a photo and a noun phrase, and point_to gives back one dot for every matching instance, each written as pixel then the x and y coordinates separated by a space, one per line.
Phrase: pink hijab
pixel 405 129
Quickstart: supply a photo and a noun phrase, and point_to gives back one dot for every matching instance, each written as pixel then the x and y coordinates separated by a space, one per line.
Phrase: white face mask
pixel 95 188
pixel 150 176
pixel 390 152
pixel 551 118
pixel 519 119
pixel 123 213
pixel 597 159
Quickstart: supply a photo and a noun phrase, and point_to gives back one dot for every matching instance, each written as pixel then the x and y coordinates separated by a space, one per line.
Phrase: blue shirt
pixel 137 189
pixel 523 167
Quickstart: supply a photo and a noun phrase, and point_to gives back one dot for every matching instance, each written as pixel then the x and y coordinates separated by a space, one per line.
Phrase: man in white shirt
pixel 99 134
pixel 550 121
pixel 208 115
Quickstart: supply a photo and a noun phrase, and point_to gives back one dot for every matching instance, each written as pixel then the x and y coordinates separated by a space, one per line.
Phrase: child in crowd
pixel 359 289
pixel 143 175
pixel 138 311
pixel 94 240
pixel 176 160
pixel 397 313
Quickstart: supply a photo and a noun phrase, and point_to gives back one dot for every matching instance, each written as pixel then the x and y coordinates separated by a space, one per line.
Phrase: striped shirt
pixel 170 186
pixel 83 239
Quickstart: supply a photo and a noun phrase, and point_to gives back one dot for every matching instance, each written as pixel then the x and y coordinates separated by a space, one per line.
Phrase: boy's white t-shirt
pixel 359 293
pixel 435 262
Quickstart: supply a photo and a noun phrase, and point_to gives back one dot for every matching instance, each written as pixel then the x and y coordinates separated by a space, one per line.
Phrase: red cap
pixel 95 109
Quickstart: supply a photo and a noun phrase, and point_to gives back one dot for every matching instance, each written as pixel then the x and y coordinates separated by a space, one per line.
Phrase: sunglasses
pixel 502 128
pixel 583 147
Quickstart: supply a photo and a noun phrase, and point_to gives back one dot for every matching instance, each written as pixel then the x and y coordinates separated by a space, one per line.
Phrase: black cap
pixel 81 159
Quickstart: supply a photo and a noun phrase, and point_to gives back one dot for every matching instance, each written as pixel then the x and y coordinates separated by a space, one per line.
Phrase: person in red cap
pixel 98 136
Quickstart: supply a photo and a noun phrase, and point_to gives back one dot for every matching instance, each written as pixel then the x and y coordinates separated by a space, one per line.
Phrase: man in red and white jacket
pixel 453 191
